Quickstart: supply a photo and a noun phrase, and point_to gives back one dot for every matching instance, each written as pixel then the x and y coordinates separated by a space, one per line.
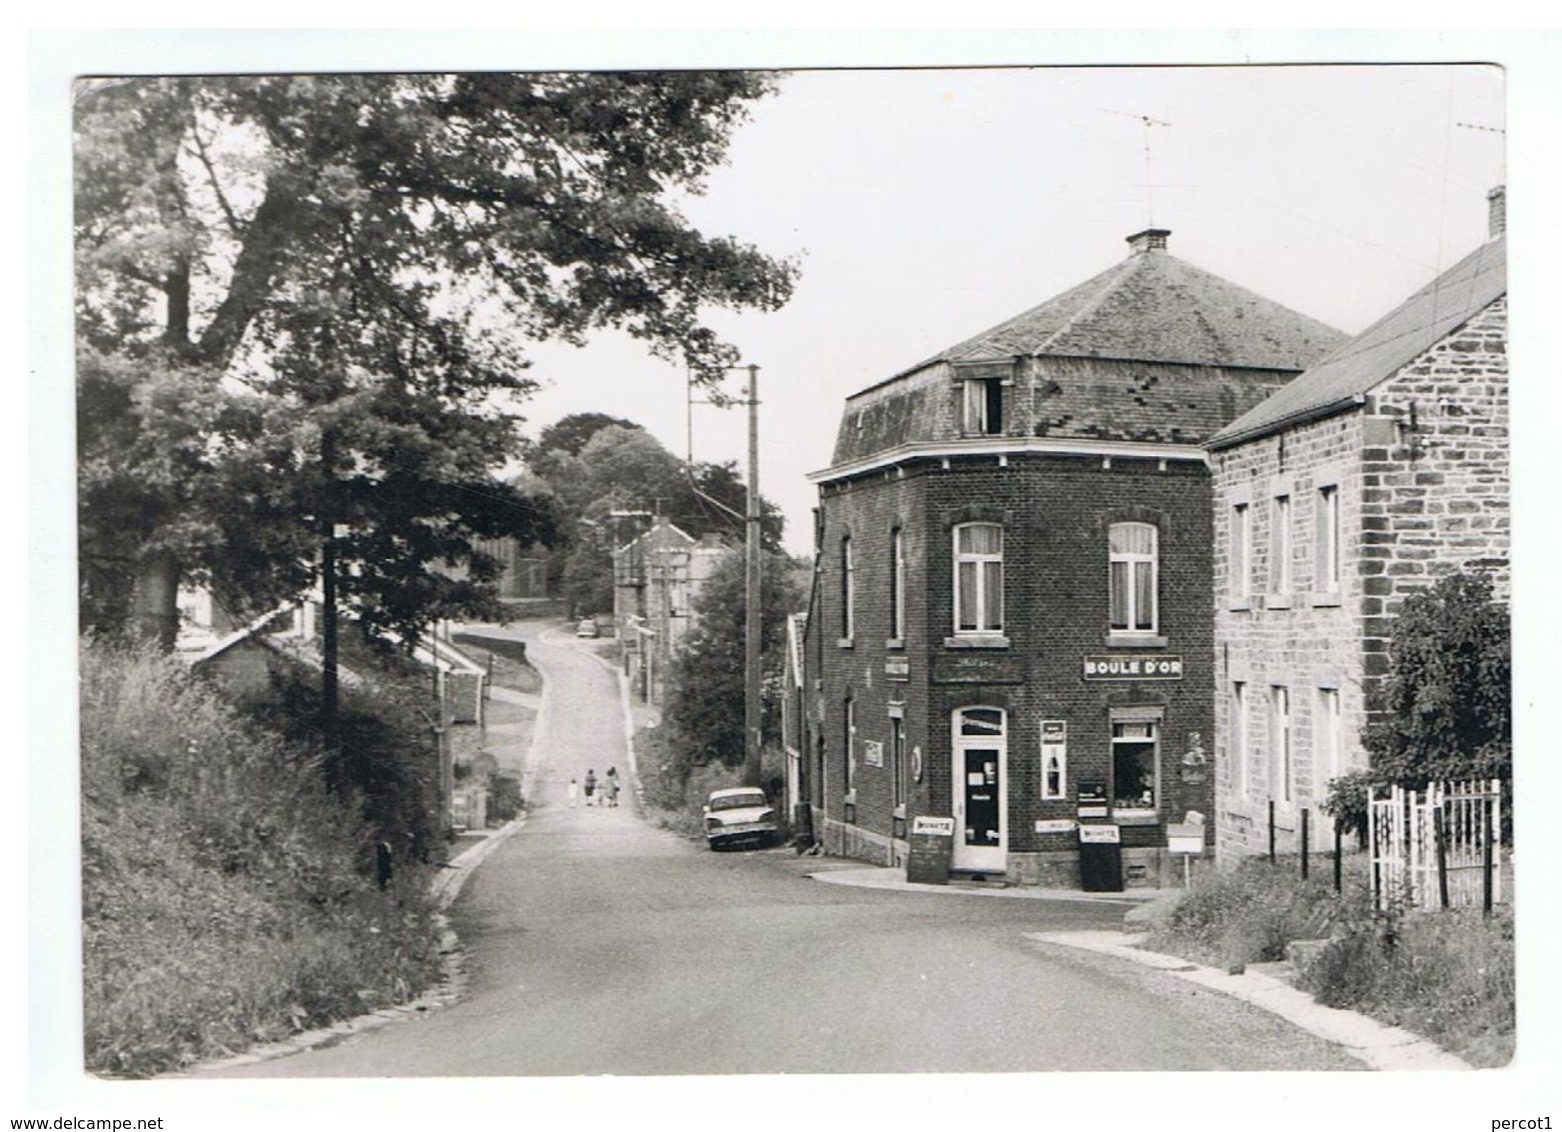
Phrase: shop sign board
pixel 1056 825
pixel 1100 835
pixel 1153 667
pixel 932 844
pixel 1187 838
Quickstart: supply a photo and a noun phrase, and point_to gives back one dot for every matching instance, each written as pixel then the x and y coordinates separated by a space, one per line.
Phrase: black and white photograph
pixel 758 581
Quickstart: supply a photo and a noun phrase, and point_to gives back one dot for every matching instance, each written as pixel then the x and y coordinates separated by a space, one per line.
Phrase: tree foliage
pixel 303 301
pixel 705 691
pixel 1444 709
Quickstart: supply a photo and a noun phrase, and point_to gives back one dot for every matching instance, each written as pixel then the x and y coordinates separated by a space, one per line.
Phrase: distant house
pixel 1011 623
pixel 656 579
pixel 1378 470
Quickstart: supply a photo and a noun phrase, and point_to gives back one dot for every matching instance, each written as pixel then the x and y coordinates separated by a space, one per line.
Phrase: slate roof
pixel 1380 351
pixel 1155 307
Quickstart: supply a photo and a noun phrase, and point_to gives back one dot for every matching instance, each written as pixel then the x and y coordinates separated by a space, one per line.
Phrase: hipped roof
pixel 1377 353
pixel 1154 307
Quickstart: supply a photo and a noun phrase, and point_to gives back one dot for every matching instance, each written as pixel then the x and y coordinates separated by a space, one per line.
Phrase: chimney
pixel 1150 240
pixel 1497 212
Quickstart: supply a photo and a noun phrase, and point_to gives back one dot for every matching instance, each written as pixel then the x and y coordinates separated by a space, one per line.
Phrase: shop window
pixel 1135 751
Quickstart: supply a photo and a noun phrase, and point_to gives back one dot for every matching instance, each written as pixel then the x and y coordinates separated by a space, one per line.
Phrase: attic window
pixel 981 406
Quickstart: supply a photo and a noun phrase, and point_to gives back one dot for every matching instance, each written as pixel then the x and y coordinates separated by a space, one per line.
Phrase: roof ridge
pixel 1117 272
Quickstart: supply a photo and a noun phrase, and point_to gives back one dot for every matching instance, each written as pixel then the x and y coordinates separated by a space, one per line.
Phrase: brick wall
pixel 1055 511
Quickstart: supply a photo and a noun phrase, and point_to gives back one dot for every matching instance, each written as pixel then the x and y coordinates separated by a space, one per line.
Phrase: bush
pixel 1246 915
pixel 227 895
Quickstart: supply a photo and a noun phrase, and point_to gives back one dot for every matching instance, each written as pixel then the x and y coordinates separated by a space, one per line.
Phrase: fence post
pixel 1442 857
pixel 1337 836
pixel 1306 815
pixel 1271 831
pixel 1486 885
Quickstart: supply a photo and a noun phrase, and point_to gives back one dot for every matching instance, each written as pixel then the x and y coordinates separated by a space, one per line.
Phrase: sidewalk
pixel 857 876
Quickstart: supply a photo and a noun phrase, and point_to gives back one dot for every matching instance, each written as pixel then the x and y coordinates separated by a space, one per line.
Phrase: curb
pixel 1377 1045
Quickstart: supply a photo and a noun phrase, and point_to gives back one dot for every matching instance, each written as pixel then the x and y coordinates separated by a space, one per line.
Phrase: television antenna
pixel 1149 124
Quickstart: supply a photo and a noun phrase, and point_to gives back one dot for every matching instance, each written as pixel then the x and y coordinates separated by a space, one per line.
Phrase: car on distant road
pixel 737 815
pixel 587 628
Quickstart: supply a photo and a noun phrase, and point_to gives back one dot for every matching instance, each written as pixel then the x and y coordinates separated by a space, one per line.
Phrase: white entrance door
pixel 980 790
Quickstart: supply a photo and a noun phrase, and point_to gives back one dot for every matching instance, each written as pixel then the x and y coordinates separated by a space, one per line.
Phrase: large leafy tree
pixel 302 306
pixel 1444 709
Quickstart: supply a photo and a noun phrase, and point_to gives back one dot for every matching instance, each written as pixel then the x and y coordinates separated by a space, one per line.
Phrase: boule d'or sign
pixel 1155 667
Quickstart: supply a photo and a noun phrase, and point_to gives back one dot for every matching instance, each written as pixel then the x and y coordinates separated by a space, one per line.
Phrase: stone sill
pixel 895 643
pixel 1136 817
pixel 977 641
pixel 845 643
pixel 1126 641
pixel 1325 601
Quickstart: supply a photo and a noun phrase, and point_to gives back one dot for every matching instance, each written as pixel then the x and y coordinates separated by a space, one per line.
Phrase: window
pixel 981 406
pixel 979 578
pixel 1135 745
pixel 1327 567
pixel 1280 546
pixel 848 591
pixel 849 742
pixel 1237 747
pixel 897 585
pixel 1133 553
pixel 1280 742
pixel 897 759
pixel 1241 552
pixel 1326 741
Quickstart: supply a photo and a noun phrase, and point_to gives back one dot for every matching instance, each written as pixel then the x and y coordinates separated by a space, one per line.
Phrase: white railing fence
pixel 1437 848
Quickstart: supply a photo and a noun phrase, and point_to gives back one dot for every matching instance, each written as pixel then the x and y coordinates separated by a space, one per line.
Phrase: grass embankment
pixel 1448 976
pixel 228 896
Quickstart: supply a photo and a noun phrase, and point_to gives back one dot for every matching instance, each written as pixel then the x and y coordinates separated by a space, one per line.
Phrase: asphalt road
pixel 598 945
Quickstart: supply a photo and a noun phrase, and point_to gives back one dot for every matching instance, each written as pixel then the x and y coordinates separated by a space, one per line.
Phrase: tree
pixel 302 305
pixel 1444 709
pixel 705 692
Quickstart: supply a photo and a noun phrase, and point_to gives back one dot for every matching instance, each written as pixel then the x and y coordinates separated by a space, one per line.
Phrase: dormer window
pixel 982 406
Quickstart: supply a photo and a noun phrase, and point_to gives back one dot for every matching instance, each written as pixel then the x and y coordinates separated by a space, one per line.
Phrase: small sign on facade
pixel 897 668
pixel 1187 838
pixel 1133 668
pixel 873 752
pixel 1100 835
pixel 1057 825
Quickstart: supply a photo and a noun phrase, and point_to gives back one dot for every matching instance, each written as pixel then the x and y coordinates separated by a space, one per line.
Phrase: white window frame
pixel 1280 742
pixel 1129 717
pixel 849 730
pixel 848 590
pixel 1237 747
pixel 1328 741
pixel 1241 553
pixel 900 782
pixel 976 397
pixel 979 602
pixel 897 582
pixel 1326 565
pixel 1133 560
pixel 1280 545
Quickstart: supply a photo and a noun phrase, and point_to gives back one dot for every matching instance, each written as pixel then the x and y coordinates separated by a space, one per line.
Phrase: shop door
pixel 979 792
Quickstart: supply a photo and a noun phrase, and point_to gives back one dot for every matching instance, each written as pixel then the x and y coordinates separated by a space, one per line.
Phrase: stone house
pixel 1011 619
pixel 1381 468
pixel 656 578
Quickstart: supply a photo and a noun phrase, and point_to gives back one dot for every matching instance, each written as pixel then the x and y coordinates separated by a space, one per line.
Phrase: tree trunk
pixel 155 604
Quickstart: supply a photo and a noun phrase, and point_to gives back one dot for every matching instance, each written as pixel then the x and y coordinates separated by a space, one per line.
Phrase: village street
pixel 598 945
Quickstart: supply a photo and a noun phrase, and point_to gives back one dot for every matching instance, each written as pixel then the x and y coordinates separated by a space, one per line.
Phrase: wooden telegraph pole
pixel 752 583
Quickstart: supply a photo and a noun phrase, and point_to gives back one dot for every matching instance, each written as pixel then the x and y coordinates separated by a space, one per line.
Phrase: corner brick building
pixel 1380 469
pixel 1011 621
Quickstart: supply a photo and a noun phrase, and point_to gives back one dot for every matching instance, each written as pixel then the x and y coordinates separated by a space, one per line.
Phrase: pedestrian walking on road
pixel 610 787
pixel 574 793
pixel 591 785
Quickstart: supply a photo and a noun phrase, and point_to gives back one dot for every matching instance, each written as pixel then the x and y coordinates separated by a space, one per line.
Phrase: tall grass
pixel 227 894
pixel 1448 976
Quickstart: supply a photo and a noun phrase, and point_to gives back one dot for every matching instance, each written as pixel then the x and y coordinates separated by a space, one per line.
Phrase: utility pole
pixel 751 623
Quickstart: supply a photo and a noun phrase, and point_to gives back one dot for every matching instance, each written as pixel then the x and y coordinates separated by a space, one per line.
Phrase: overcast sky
pixel 925 205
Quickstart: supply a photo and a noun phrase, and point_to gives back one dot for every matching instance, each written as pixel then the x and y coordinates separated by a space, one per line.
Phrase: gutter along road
pixel 596 944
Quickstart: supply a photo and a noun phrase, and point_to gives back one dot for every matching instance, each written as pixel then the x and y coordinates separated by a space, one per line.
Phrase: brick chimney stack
pixel 1497 212
pixel 1150 240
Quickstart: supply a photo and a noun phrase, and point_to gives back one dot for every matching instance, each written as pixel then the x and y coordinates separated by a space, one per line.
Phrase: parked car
pixel 587 628
pixel 737 815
